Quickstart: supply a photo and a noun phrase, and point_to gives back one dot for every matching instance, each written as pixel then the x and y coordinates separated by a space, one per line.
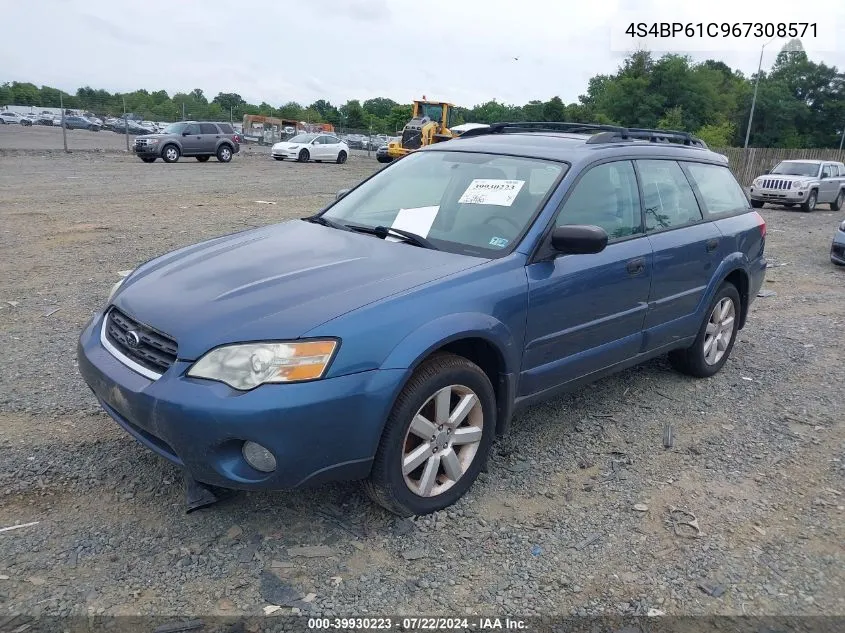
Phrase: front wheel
pixel 716 337
pixel 303 156
pixel 341 157
pixel 202 159
pixel 836 205
pixel 810 203
pixel 436 438
pixel 170 154
pixel 757 204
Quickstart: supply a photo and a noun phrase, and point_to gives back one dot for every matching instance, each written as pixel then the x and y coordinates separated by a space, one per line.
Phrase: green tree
pixel 672 119
pixel 379 107
pixel 554 110
pixel 25 94
pixel 352 115
pixel 717 134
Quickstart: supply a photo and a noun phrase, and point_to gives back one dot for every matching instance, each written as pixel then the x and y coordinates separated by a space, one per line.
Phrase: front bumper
pixel 791 196
pixel 285 153
pixel 147 150
pixel 325 430
pixel 837 249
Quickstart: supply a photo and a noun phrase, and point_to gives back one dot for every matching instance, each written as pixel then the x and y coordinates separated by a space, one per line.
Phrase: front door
pixel 828 184
pixel 191 139
pixel 687 251
pixel 586 312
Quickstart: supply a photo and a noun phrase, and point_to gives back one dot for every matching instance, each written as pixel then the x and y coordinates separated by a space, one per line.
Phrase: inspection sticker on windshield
pixel 491 191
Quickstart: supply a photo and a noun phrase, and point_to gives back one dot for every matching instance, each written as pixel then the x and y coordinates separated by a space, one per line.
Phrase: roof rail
pixel 600 133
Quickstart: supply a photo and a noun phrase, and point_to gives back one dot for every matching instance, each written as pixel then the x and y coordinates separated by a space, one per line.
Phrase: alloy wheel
pixel 720 331
pixel 442 440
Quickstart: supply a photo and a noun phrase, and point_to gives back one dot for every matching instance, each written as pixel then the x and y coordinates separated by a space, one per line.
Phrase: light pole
pixel 754 98
pixel 842 140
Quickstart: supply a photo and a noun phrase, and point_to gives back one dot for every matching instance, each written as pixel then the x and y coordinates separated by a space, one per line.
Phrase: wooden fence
pixel 747 164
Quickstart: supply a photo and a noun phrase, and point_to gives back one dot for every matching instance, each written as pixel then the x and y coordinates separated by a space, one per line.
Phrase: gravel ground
pixel 573 517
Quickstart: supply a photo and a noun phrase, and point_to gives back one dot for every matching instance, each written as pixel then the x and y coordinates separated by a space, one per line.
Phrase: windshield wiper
pixel 324 221
pixel 384 231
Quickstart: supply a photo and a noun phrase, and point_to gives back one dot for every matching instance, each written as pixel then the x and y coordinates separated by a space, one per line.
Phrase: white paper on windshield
pixel 491 191
pixel 417 221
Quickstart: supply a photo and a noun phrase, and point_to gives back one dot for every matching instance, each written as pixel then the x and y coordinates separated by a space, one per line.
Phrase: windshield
pixel 302 138
pixel 474 204
pixel 173 128
pixel 432 111
pixel 788 168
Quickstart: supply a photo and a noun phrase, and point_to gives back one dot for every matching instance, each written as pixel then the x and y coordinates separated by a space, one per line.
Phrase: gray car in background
pixel 200 139
pixel 801 182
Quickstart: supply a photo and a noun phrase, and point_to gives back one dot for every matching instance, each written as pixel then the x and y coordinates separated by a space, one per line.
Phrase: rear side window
pixel 606 196
pixel 225 128
pixel 720 192
pixel 208 128
pixel 668 197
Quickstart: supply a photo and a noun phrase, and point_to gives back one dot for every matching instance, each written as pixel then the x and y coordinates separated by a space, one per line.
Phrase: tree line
pixel 800 103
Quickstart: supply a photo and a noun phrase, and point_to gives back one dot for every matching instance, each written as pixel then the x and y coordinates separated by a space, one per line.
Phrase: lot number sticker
pixel 491 191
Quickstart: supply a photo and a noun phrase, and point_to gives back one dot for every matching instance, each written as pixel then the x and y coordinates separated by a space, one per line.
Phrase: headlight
pixel 124 274
pixel 292 146
pixel 799 185
pixel 757 182
pixel 152 141
pixel 244 366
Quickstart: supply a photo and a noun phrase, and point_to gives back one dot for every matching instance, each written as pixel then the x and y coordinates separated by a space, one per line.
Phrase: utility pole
pixel 125 124
pixel 754 98
pixel 64 129
pixel 231 118
pixel 183 110
pixel 842 140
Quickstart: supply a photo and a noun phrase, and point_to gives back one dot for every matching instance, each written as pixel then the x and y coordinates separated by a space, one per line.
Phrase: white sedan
pixel 14 117
pixel 316 147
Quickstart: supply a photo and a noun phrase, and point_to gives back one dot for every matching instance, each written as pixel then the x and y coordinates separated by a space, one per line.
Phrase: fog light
pixel 259 457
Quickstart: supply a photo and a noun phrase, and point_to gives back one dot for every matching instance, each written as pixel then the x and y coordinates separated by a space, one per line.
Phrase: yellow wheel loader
pixel 430 123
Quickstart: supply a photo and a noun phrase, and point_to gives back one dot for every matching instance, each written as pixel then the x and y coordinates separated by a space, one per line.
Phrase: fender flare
pixel 733 262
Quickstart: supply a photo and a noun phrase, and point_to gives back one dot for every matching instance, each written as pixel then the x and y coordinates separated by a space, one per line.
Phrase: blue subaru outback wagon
pixel 391 336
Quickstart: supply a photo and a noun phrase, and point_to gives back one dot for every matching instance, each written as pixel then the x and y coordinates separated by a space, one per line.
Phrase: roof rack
pixel 600 133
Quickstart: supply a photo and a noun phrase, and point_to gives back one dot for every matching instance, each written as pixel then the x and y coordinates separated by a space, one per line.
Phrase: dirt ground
pixel 759 456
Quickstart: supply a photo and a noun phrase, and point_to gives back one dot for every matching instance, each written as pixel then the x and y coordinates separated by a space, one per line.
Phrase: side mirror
pixel 341 193
pixel 579 239
pixel 186 133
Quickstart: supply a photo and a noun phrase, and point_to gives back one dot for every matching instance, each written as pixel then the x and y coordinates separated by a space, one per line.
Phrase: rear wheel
pixel 836 205
pixel 436 438
pixel 170 154
pixel 341 157
pixel 757 204
pixel 810 203
pixel 148 159
pixel 202 159
pixel 716 337
pixel 303 156
pixel 224 154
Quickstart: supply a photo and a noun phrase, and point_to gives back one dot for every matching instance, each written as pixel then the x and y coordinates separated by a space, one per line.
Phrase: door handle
pixel 635 266
pixel 712 244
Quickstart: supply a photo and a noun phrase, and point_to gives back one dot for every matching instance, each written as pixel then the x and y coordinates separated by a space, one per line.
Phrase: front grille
pixel 154 351
pixel 774 183
pixel 838 250
pixel 411 139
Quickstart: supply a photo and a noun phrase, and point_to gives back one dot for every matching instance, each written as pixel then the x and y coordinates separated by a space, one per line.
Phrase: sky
pixel 464 51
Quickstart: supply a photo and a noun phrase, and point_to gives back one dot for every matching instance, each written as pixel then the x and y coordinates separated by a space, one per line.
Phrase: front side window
pixel 302 138
pixel 174 128
pixel 607 197
pixel 720 192
pixel 668 197
pixel 432 111
pixel 827 171
pixel 469 203
pixel 192 128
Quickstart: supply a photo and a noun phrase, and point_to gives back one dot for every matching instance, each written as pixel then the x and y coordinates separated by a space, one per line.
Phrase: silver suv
pixel 801 182
pixel 200 139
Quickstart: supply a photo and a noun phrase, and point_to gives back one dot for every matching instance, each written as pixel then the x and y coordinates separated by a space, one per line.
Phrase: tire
pixel 148 159
pixel 427 488
pixel 693 360
pixel 202 159
pixel 224 154
pixel 341 157
pixel 810 203
pixel 388 159
pixel 757 204
pixel 170 153
pixel 836 205
pixel 303 156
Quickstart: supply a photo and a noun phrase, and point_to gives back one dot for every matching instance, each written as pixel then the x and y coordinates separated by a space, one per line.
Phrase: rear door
pixel 586 312
pixel 687 251
pixel 210 136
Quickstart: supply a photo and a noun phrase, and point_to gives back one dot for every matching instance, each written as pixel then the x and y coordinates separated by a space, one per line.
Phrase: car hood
pixel 278 282
pixel 286 145
pixel 788 177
